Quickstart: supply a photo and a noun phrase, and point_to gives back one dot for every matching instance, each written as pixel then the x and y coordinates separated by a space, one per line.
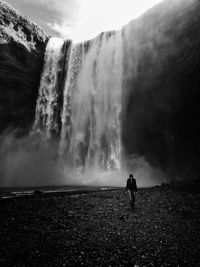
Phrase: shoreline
pixel 6 193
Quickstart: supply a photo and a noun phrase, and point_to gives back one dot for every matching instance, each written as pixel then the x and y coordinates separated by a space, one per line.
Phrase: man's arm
pixel 136 189
pixel 127 185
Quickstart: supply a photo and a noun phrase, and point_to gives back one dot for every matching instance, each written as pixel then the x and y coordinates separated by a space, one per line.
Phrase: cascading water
pixel 89 113
pixel 48 103
pixel 74 64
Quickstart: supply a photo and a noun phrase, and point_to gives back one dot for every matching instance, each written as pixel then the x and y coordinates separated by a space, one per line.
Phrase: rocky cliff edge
pixel 22 47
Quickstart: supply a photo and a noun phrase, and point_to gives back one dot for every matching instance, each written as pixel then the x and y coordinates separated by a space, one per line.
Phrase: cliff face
pixel 162 90
pixel 22 46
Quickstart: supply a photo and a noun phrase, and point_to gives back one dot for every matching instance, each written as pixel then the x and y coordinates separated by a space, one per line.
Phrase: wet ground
pixel 98 229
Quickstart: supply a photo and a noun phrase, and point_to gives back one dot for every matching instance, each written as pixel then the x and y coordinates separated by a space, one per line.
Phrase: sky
pixel 80 20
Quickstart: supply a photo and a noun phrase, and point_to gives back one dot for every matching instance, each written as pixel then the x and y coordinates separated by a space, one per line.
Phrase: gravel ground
pixel 98 229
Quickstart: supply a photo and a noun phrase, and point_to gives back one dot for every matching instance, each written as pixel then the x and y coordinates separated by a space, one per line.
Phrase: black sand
pixel 97 229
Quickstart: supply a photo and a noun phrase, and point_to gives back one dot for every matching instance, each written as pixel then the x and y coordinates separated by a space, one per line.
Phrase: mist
pixel 28 161
pixel 34 161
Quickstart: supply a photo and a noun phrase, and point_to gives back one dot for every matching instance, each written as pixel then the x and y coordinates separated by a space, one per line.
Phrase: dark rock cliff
pixel 22 46
pixel 162 90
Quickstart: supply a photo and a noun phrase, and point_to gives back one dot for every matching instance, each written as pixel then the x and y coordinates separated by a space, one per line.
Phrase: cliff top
pixel 16 27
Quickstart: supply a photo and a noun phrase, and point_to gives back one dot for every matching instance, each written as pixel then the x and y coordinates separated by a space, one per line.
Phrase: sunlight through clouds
pixel 96 16
pixel 81 19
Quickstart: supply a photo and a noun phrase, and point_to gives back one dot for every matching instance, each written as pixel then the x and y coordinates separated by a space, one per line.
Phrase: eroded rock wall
pixel 22 47
pixel 162 87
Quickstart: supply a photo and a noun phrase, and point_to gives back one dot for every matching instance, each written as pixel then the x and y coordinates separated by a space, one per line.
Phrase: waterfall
pixel 87 120
pixel 48 108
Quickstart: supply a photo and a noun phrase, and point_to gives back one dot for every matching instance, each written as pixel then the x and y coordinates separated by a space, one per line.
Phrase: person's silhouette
pixel 131 187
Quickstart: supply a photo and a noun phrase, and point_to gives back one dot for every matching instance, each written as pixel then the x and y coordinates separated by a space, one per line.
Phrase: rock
pixel 22 47
pixel 162 88
pixel 37 192
pixel 124 217
pixel 70 213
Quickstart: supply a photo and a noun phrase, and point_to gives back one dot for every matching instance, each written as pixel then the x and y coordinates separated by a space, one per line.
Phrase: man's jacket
pixel 131 184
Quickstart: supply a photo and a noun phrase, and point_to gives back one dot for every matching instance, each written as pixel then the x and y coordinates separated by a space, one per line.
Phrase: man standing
pixel 131 187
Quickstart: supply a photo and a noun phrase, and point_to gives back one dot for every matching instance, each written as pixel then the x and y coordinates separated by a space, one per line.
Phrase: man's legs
pixel 131 198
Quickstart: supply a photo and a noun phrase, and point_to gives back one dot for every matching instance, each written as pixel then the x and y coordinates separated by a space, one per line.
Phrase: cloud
pixel 63 29
pixel 95 16
pixel 81 19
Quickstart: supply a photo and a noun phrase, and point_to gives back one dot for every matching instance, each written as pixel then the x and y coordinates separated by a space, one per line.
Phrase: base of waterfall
pixel 51 191
pixel 98 229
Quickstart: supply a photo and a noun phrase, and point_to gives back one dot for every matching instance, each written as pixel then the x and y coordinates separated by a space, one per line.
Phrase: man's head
pixel 130 176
